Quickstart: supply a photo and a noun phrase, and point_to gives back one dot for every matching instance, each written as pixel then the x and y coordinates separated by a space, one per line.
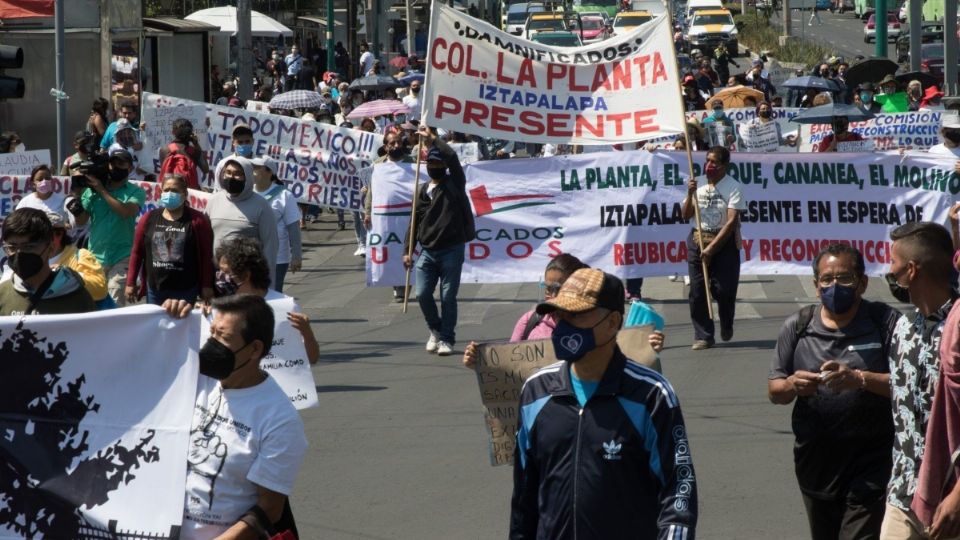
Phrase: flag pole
pixel 696 205
pixel 413 219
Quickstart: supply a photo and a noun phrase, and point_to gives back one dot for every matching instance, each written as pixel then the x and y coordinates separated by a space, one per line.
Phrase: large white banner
pixel 483 81
pixel 886 131
pixel 318 162
pixel 95 415
pixel 621 211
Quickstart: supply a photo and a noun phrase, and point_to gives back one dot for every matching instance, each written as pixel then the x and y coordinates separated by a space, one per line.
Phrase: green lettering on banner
pixel 928 179
pixel 572 184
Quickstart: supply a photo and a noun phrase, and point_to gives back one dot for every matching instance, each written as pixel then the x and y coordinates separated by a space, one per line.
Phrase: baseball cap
pixel 265 161
pixel 123 123
pixel 950 122
pixel 57 220
pixel 689 80
pixel 586 289
pixel 121 154
pixel 82 135
pixel 717 104
pixel 435 155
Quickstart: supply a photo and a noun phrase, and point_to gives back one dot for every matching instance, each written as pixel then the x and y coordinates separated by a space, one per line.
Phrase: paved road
pixel 397 446
pixel 843 33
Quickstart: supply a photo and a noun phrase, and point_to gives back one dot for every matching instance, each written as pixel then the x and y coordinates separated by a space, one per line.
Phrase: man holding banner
pixel 720 203
pixel 602 449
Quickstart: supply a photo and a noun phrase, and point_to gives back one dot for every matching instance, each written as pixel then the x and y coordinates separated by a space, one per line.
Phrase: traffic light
pixel 11 58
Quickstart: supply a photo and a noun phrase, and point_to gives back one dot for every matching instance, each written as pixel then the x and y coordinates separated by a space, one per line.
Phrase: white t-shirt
pixel 413 103
pixel 240 439
pixel 942 150
pixel 715 200
pixel 287 212
pixel 366 63
pixel 53 205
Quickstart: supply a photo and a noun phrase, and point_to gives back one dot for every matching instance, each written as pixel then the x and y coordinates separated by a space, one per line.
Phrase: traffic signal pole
pixel 61 100
pixel 880 16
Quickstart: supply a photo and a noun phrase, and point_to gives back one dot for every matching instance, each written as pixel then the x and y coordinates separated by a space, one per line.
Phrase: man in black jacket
pixel 443 224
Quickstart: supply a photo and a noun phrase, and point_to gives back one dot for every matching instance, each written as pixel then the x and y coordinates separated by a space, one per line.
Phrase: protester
pixel 126 138
pixel 172 252
pixel 920 271
pixel 238 480
pixel 757 78
pixel 720 202
pixel 441 228
pixel 36 288
pixel 831 362
pixel 914 95
pixel 43 197
pixel 764 117
pixel 931 100
pixel 236 210
pixel 628 472
pixel 97 121
pixel 719 126
pixel 241 141
pixel 111 206
pixel 950 135
pixel 394 152
pixel 723 59
pixel 185 144
pixel 294 63
pixel 242 269
pixel 413 101
pixel 865 98
pixel 128 112
pixel 692 100
pixel 366 58
pixel 83 143
pixel 840 134
pixel 287 214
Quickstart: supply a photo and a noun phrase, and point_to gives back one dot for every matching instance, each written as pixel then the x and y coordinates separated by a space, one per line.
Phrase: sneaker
pixel 444 349
pixel 675 278
pixel 341 226
pixel 433 343
pixel 686 280
pixel 360 252
pixel 726 334
pixel 701 344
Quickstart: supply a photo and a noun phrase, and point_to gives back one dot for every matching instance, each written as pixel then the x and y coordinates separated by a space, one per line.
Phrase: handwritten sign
pixel 855 146
pixel 21 163
pixel 466 152
pixel 758 137
pixel 287 361
pixel 502 369
pixel 159 121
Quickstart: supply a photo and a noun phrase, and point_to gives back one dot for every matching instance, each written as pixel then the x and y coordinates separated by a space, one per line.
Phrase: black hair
pixel 100 106
pixel 837 250
pixel 29 222
pixel 175 176
pixel 182 130
pixel 38 168
pixel 566 264
pixel 927 244
pixel 241 130
pixel 244 256
pixel 721 153
pixel 257 315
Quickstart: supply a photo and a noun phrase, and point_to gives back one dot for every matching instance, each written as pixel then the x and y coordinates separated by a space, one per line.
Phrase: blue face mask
pixel 571 343
pixel 837 298
pixel 866 97
pixel 171 200
pixel 245 150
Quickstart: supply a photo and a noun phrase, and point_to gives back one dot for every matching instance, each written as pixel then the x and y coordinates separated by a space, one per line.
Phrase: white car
pixel 711 27
pixel 870 30
pixel 518 14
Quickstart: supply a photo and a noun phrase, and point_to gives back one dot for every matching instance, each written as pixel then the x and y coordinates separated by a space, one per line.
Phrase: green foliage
pixel 757 34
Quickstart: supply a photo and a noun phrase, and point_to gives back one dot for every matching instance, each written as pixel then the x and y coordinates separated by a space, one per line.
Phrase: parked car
pixel 930 32
pixel 518 14
pixel 628 20
pixel 931 60
pixel 711 27
pixel 558 39
pixel 544 22
pixel 593 29
pixel 602 14
pixel 870 30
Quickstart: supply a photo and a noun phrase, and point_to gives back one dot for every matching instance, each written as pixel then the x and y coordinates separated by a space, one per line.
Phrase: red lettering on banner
pixel 379 255
pixel 618 255
pixel 601 78
pixel 478 252
pixel 557 125
pixel 638 253
pixel 471 71
pixel 618 119
pixel 455 58
pixel 531 119
pixel 574 87
pixel 659 70
pixel 805 250
pixel 584 124
pixel 501 77
pixel 475 111
pixel 526 75
pixel 555 248
pixel 621 75
pixel 643 123
pixel 434 57
pixel 499 118
pixel 555 72
pixel 447 104
pixel 640 62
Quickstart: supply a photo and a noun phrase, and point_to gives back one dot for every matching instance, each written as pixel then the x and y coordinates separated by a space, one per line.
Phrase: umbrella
pixel 809 81
pixel 735 97
pixel 398 62
pixel 226 18
pixel 870 70
pixel 926 80
pixel 296 99
pixel 379 107
pixel 824 114
pixel 375 82
pixel 406 80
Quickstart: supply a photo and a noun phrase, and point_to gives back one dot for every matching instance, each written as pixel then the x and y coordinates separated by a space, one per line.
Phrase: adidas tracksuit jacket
pixel 618 468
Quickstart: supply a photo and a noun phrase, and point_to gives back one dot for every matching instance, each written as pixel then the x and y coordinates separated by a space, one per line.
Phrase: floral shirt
pixel 914 370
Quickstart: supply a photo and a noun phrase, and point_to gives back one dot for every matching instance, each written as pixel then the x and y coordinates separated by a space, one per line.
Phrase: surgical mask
pixel 245 150
pixel 915 92
pixel 711 169
pixel 396 153
pixel 235 186
pixel 437 174
pixel 838 298
pixel 571 343
pixel 718 113
pixel 45 186
pixel 764 114
pixel 25 265
pixel 119 175
pixel 898 291
pixel 225 285
pixel 217 360
pixel 866 97
pixel 171 200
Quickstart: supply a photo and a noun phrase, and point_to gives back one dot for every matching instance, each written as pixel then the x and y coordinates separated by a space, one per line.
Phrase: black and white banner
pixel 95 414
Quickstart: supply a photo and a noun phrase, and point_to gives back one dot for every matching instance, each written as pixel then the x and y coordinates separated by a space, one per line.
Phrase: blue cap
pixel 435 155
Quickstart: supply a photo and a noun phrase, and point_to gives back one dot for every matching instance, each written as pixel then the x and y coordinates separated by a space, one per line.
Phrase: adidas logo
pixel 612 450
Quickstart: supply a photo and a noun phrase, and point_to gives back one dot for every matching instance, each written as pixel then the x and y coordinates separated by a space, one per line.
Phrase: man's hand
pixel 804 382
pixel 470 355
pixel 707 254
pixel 177 309
pixel 296 265
pixel 692 186
pixel 956 167
pixel 838 377
pixel 955 215
pixel 131 294
pixel 367 222
pixel 656 341
pixel 94 184
pixel 407 262
pixel 946 519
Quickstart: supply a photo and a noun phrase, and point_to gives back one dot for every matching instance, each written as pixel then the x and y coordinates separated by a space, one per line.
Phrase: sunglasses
pixel 551 288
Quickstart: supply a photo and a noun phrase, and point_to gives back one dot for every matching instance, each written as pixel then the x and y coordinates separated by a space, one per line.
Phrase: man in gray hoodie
pixel 235 210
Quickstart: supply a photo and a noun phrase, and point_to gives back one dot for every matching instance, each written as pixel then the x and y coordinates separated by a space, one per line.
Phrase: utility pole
pixel 411 42
pixel 880 25
pixel 61 102
pixel 244 50
pixel 786 22
pixel 949 47
pixel 330 63
pixel 915 9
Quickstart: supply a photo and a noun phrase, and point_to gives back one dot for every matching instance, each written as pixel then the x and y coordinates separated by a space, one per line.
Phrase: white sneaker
pixel 686 280
pixel 433 342
pixel 674 278
pixel 444 349
pixel 360 252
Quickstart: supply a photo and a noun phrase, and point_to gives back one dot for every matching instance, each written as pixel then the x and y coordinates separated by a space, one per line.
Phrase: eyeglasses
pixel 551 288
pixel 29 247
pixel 846 280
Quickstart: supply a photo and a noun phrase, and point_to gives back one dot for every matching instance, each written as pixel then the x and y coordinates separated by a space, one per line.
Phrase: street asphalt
pixel 398 443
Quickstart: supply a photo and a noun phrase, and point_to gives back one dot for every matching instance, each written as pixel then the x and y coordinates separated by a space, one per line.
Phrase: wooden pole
pixel 413 219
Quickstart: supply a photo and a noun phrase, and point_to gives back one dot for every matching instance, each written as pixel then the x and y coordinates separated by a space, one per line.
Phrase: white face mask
pixel 20 148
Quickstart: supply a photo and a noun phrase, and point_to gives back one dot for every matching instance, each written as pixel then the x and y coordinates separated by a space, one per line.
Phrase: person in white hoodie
pixel 236 210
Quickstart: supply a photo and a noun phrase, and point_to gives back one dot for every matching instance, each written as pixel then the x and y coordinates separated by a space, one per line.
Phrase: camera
pixel 96 165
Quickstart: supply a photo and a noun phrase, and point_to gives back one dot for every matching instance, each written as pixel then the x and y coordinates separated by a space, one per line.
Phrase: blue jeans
pixel 281 273
pixel 443 265
pixel 159 297
pixel 359 229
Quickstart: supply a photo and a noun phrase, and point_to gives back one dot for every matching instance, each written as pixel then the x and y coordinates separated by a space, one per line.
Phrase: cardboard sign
pixel 502 369
pixel 21 163
pixel 757 137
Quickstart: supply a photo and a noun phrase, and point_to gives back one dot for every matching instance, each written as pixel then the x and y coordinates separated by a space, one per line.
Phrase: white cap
pixel 265 161
pixel 950 122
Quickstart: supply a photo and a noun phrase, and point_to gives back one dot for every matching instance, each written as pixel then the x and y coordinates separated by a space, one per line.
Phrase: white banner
pixel 287 362
pixel 742 118
pixel 621 211
pixel 94 439
pixel 483 81
pixel 887 131
pixel 759 137
pixel 466 152
pixel 21 163
pixel 318 162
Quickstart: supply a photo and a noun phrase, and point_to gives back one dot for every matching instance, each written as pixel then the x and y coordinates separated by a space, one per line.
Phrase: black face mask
pixel 437 174
pixel 764 114
pixel 225 285
pixel 396 153
pixel 952 136
pixel 415 90
pixel 25 265
pixel 898 291
pixel 119 175
pixel 839 127
pixel 216 359
pixel 235 186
